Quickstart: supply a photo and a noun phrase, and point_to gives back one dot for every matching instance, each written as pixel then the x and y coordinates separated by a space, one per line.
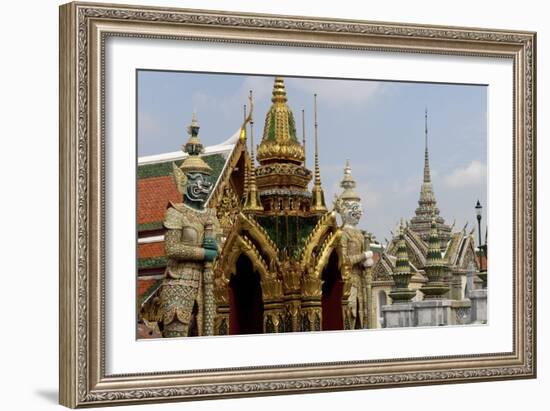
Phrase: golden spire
pixel 304 134
pixel 243 139
pixel 279 143
pixel 318 194
pixel 252 201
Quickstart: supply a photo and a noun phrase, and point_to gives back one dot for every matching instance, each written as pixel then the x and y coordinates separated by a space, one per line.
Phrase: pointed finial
pixel 304 134
pixel 193 146
pixel 252 200
pixel 427 177
pixel 194 127
pixel 251 121
pixel 316 125
pixel 318 194
pixel 279 91
pixel 426 121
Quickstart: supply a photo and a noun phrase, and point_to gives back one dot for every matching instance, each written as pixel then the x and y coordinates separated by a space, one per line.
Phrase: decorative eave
pixel 230 164
pixel 325 224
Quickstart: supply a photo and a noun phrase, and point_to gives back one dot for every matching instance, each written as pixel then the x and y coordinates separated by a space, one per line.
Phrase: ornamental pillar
pixel 311 304
pixel 272 293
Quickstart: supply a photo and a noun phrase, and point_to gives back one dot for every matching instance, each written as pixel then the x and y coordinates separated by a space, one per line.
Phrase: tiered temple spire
pixel 402 273
pixel 279 142
pixel 318 193
pixel 435 267
pixel 427 209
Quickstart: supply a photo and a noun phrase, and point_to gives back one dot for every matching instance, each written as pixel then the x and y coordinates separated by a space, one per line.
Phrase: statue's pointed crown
pixel 348 184
pixel 194 163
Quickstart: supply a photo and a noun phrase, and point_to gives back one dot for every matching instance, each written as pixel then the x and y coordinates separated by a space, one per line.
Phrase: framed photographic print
pixel 259 204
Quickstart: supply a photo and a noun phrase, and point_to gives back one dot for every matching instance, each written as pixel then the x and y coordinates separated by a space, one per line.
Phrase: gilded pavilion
pixel 283 264
pixel 280 268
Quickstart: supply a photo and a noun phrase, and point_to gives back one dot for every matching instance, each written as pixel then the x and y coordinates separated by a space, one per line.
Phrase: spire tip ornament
pixel 317 191
pixel 252 198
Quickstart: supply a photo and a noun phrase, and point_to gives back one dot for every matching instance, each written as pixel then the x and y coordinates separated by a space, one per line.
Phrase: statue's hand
pixel 210 254
pixel 210 243
pixel 368 261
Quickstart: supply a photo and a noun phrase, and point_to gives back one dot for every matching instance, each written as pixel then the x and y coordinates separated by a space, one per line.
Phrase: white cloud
pixel 227 104
pixel 473 174
pixel 148 125
pixel 261 86
pixel 334 92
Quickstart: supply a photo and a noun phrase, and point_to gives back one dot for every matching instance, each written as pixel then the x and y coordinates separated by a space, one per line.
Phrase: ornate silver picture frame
pixel 85 28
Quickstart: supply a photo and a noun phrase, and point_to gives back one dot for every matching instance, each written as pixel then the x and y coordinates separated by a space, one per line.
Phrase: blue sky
pixel 378 126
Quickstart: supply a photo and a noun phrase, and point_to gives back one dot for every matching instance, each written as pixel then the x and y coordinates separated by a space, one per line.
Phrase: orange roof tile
pixel 143 285
pixel 153 197
pixel 151 250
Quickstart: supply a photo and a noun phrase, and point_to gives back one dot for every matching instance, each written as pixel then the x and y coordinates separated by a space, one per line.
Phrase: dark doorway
pixel 332 295
pixel 246 307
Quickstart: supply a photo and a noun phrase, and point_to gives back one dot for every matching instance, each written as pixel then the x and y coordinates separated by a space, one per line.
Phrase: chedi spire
pixel 427 205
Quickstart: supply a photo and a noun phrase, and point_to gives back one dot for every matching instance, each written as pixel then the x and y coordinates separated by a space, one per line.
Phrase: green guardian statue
pixel 191 245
